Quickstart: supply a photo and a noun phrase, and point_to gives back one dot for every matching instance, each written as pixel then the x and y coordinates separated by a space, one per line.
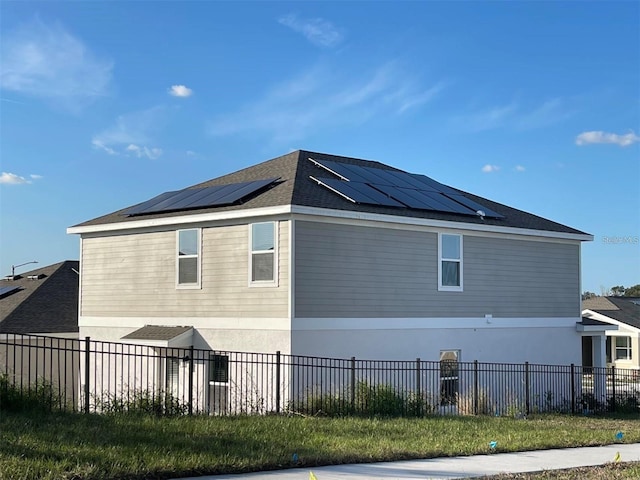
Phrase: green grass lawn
pixel 75 446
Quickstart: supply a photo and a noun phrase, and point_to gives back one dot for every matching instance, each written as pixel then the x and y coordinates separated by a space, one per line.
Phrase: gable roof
pixel 45 305
pixel 622 309
pixel 295 187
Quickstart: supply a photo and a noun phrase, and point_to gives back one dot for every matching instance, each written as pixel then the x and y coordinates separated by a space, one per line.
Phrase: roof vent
pixel 11 278
pixel 36 277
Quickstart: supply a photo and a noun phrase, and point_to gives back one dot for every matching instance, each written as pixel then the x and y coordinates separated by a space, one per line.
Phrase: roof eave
pixel 195 218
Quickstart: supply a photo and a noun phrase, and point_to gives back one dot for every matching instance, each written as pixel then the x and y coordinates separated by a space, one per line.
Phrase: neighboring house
pixel 316 254
pixel 42 301
pixel 622 314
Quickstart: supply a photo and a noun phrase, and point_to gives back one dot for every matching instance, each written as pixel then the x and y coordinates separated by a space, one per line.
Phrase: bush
pixel 38 396
pixel 370 400
pixel 142 402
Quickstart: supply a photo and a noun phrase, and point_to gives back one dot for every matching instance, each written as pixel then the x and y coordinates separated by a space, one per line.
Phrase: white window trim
pixel 628 348
pixel 276 273
pixel 449 288
pixel 198 284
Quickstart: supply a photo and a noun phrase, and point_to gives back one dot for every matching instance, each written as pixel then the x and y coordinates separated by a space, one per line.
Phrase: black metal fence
pixel 97 376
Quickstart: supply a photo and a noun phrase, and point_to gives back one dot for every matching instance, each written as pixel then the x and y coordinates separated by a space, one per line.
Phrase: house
pixel 303 261
pixel 42 301
pixel 323 255
pixel 39 328
pixel 622 315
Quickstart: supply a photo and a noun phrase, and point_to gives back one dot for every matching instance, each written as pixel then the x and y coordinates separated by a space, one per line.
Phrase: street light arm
pixel 13 267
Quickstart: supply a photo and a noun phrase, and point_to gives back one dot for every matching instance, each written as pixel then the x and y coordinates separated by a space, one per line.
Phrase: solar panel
pixel 357 192
pixel 379 186
pixel 190 198
pixel 6 291
pixel 474 205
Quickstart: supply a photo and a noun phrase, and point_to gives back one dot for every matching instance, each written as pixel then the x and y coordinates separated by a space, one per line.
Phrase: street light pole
pixel 13 267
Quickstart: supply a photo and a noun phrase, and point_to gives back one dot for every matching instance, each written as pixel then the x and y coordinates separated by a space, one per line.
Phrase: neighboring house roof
pixel 622 309
pixel 46 304
pixel 295 187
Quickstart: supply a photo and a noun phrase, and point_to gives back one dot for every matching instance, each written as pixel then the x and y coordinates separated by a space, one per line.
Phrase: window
pixel 449 262
pixel 172 373
pixel 449 379
pixel 188 252
pixel 263 254
pixel 218 369
pixel 623 348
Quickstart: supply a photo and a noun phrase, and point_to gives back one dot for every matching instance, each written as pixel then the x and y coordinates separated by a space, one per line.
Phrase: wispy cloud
pixel 519 168
pixel 47 61
pixel 587 138
pixel 318 31
pixel 180 91
pixel 323 97
pixel 132 134
pixel 150 153
pixel 514 116
pixel 8 178
pixel 490 168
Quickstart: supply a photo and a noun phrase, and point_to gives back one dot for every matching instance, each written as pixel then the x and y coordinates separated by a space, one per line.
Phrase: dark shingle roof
pixel 156 332
pixel 622 309
pixel 45 305
pixel 296 188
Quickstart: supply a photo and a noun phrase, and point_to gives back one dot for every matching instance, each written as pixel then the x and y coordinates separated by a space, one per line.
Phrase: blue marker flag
pixel 493 444
pixel 294 457
pixel 619 435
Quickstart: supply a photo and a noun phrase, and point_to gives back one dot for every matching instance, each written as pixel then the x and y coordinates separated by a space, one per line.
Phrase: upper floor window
pixel 449 262
pixel 188 261
pixel 263 261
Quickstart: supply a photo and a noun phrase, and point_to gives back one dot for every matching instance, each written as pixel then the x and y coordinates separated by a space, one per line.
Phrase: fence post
pixel 613 388
pixel 191 380
pixel 278 381
pixel 353 384
pixel 527 405
pixel 475 387
pixel 87 376
pixel 573 388
pixel 418 388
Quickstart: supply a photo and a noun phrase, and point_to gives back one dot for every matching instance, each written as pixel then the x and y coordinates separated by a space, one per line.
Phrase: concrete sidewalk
pixel 454 467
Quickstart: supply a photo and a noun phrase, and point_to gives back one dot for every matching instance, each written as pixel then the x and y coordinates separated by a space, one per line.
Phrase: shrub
pixel 37 396
pixel 141 402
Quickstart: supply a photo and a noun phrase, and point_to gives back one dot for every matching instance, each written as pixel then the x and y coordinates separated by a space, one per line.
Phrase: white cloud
pixel 191 153
pixel 150 153
pixel 520 168
pixel 325 97
pixel 490 168
pixel 318 31
pixel 12 179
pixel 586 138
pixel 132 133
pixel 48 62
pixel 180 91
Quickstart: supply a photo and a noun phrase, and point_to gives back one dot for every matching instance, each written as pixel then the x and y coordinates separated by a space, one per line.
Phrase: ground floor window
pixel 449 379
pixel 623 348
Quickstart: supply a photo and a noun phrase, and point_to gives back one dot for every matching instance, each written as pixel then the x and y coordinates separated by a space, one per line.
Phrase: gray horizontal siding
pixel 352 271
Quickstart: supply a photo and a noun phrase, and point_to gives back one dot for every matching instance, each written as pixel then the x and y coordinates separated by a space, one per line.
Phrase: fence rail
pixel 96 376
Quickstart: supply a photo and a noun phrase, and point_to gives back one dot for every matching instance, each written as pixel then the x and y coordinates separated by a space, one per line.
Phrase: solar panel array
pixel 395 188
pixel 192 198
pixel 6 291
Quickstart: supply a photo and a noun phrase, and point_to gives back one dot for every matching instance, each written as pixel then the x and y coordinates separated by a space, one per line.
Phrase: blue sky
pixel 532 104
